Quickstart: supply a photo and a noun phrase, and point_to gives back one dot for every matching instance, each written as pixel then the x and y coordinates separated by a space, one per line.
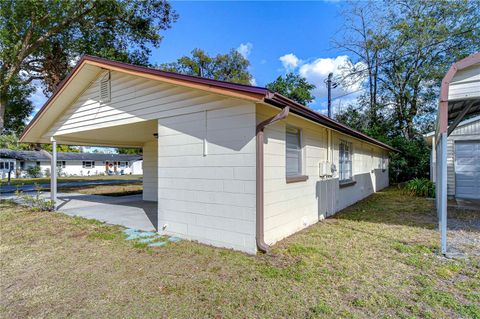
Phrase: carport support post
pixel 53 172
pixel 442 183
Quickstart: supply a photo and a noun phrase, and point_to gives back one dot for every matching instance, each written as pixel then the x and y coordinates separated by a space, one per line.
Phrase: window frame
pixel 62 164
pixel 298 175
pixel 384 163
pixel 91 163
pixel 342 162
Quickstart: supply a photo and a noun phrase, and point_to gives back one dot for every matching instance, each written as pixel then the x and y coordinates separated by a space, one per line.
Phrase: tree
pixel 230 67
pixel 406 46
pixel 426 38
pixel 405 51
pixel 294 87
pixel 18 108
pixel 10 142
pixel 40 40
pixel 130 151
pixel 362 35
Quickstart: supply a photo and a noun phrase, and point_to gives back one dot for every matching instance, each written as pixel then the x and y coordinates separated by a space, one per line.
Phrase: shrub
pixel 34 171
pixel 420 187
pixel 36 202
pixel 47 172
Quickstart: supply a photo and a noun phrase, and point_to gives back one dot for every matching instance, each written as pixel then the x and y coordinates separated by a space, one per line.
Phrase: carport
pixel 80 113
pixel 129 211
pixel 459 100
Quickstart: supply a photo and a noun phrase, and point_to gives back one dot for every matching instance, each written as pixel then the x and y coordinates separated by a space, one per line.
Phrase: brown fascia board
pixel 299 109
pixel 268 96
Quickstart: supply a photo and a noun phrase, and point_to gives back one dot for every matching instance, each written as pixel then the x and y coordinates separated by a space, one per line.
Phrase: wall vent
pixel 105 93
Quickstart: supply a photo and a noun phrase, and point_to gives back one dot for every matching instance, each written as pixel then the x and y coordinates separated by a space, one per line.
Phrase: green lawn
pixel 45 180
pixel 376 259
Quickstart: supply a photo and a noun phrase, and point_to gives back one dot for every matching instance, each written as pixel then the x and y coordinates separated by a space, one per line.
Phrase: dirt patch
pixel 463 232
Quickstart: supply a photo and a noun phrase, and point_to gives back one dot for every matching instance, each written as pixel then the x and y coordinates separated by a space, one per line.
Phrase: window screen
pixel 293 152
pixel 345 161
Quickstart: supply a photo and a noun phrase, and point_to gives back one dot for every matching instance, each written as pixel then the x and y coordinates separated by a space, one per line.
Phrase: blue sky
pixel 275 36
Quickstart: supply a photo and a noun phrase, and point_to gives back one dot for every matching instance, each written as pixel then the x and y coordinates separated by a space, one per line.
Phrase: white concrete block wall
pixel 209 197
pixel 290 207
pixel 150 171
pixel 293 206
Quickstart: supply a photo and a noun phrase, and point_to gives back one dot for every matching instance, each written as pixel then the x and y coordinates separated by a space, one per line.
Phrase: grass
pixel 46 180
pixel 376 259
pixel 106 190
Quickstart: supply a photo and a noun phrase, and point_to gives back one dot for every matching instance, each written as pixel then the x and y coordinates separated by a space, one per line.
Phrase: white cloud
pixel 245 49
pixel 253 81
pixel 316 72
pixel 290 61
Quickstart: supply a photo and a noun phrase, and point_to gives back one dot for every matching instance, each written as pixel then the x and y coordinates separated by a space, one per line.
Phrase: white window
pixel 123 164
pixel 345 161
pixel 61 164
pixel 88 164
pixel 293 152
pixel 2 165
pixel 384 162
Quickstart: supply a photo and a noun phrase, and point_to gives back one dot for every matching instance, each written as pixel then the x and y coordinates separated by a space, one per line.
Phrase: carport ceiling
pixel 129 135
pixel 456 107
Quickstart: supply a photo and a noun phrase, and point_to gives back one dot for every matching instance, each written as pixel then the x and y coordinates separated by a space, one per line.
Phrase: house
pixel 229 165
pixel 463 159
pixel 68 164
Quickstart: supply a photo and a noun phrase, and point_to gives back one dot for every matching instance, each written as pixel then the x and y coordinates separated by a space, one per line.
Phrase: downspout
pixel 260 234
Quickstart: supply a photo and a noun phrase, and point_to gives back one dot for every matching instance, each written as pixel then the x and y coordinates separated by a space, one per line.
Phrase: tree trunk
pixel 3 106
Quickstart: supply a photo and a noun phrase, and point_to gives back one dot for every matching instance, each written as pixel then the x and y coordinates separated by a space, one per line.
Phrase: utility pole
pixel 330 84
pixel 329 89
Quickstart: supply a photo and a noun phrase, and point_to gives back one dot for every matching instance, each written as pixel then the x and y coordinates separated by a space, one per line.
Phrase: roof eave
pixel 279 100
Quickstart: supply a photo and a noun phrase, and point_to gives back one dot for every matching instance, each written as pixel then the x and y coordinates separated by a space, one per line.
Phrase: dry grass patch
pixel 46 180
pixel 107 190
pixel 375 259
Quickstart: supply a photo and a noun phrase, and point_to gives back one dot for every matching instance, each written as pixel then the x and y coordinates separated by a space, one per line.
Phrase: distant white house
pixel 68 164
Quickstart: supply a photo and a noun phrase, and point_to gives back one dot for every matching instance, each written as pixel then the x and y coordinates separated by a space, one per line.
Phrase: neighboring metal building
pixel 68 164
pixel 459 99
pixel 463 159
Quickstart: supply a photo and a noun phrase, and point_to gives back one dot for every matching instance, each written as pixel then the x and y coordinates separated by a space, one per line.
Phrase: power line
pixel 337 97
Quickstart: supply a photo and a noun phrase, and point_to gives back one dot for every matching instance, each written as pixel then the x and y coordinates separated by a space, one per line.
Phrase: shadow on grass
pixel 393 207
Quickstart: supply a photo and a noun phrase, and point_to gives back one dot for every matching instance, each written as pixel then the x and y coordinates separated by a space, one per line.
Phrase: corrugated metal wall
pixel 470 131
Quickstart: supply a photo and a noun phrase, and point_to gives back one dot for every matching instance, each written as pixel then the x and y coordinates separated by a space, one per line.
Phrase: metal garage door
pixel 467 169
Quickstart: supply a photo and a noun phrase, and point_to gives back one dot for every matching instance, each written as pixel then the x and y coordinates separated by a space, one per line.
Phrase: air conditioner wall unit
pixel 326 169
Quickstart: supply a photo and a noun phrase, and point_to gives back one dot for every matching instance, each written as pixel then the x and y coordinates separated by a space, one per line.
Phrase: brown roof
pixel 264 94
